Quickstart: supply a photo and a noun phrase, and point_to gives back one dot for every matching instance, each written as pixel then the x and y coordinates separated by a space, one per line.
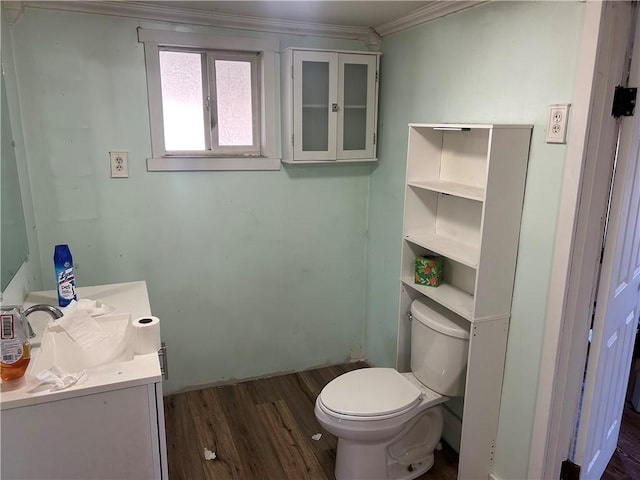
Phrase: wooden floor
pixel 261 429
pixel 625 463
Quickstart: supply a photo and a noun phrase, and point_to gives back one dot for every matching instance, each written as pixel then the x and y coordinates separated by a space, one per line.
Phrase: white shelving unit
pixel 463 202
pixel 329 105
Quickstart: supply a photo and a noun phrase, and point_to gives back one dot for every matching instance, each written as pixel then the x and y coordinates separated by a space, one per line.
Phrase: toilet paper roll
pixel 147 335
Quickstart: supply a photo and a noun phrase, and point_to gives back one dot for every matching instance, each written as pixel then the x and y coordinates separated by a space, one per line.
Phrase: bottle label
pixel 11 345
pixel 66 284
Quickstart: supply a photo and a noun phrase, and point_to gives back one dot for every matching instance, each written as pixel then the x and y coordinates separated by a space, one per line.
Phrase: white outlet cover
pixel 119 164
pixel 557 124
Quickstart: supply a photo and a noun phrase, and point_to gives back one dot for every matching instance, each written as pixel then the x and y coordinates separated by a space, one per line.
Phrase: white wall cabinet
pixel 329 105
pixel 463 202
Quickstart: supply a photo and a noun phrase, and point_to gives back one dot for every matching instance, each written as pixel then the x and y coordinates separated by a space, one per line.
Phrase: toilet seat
pixel 369 394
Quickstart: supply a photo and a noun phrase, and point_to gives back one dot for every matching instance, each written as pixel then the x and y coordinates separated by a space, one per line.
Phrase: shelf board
pixel 450 188
pixel 346 107
pixel 328 162
pixel 446 295
pixel 466 254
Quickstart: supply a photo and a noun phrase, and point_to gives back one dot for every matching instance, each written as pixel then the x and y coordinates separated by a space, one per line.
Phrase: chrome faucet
pixel 41 307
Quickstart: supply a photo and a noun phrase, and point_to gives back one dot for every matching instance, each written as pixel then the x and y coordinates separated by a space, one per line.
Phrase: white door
pixel 315 105
pixel 616 314
pixel 357 104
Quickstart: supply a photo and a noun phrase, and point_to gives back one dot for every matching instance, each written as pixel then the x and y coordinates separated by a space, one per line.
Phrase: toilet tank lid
pixel 451 325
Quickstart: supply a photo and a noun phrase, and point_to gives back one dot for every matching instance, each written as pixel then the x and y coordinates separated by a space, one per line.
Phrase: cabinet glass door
pixel 357 96
pixel 315 105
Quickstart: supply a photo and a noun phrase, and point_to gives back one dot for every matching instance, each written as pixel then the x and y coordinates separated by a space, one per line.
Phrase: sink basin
pixel 58 348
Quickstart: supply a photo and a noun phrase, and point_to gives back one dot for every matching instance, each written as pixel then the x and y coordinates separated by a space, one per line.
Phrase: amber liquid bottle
pixel 16 370
pixel 15 349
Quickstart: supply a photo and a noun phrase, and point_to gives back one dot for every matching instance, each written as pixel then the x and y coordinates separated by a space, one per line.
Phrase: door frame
pixel 578 241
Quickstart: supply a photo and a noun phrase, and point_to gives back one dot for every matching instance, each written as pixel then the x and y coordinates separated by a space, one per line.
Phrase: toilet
pixel 388 424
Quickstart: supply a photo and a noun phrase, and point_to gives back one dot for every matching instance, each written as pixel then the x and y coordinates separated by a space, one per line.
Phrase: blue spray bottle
pixel 66 282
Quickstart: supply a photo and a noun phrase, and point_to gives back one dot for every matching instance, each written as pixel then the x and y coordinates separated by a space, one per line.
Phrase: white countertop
pixel 130 298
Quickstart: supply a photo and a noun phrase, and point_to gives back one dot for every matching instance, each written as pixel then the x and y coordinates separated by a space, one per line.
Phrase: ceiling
pixel 349 19
pixel 360 13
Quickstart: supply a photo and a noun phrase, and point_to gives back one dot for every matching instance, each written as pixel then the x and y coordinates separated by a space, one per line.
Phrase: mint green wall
pixel 502 62
pixel 251 273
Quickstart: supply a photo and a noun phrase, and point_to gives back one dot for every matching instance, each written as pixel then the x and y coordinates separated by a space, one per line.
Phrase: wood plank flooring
pixel 261 429
pixel 625 463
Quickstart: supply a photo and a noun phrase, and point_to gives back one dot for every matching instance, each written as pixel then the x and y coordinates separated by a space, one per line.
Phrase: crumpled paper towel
pixel 58 378
pixel 93 308
pixel 77 320
pixel 80 326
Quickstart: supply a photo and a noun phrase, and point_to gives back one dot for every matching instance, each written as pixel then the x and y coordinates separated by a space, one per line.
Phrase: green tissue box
pixel 429 270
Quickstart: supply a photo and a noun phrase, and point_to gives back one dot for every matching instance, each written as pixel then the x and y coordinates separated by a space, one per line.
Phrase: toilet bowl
pixel 388 424
pixel 395 433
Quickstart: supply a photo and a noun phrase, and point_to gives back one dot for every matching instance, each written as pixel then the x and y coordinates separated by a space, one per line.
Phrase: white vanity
pixel 108 425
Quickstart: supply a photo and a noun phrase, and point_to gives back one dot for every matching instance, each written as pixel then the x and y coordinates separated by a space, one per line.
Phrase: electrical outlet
pixel 557 127
pixel 119 164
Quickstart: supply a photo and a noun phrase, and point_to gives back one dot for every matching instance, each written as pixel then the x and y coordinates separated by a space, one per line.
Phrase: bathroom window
pixel 211 101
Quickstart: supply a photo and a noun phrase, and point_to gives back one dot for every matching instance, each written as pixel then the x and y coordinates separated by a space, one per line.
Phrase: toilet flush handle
pixel 409 315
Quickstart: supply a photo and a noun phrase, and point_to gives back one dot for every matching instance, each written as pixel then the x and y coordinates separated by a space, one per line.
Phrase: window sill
pixel 194 164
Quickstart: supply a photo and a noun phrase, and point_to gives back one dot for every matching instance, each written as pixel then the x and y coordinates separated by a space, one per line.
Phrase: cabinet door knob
pixel 334 107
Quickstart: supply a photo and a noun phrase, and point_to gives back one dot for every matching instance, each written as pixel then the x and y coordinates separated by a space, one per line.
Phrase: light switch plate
pixel 557 125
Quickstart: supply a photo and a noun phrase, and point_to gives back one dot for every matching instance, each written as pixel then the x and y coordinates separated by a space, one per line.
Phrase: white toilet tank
pixel 439 347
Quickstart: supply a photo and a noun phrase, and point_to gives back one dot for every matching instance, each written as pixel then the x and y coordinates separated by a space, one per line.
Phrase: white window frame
pixel 267 159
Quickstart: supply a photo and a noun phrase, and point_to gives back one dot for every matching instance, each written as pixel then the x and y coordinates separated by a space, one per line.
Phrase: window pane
pixel 234 102
pixel 182 100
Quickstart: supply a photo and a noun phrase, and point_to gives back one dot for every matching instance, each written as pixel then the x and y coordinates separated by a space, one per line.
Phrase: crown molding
pixel 426 14
pixel 13 10
pixel 156 12
pixel 374 41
